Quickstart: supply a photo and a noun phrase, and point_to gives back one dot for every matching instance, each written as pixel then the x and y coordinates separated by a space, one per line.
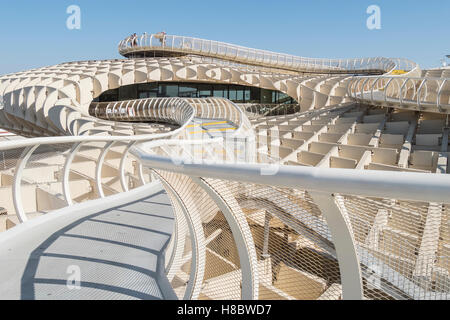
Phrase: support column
pixel 430 237
pixel 406 148
pixel 265 253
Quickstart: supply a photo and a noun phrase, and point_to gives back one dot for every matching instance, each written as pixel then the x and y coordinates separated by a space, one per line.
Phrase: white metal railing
pixel 330 190
pixel 226 51
pixel 74 144
pixel 326 187
pixel 173 110
pixel 315 202
pixel 256 110
pixel 420 93
pixel 384 184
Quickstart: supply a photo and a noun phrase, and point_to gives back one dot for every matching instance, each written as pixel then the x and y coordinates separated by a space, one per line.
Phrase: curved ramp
pixel 427 94
pixel 169 45
pixel 116 245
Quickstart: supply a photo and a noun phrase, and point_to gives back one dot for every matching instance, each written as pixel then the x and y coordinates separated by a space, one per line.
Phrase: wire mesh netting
pixel 221 269
pixel 402 247
pixel 293 244
pixel 295 254
pixel 41 187
pixel 8 162
pixel 41 182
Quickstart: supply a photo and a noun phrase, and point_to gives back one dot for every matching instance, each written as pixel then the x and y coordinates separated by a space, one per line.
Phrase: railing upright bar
pixel 98 169
pixel 16 189
pixel 66 172
pixel 123 181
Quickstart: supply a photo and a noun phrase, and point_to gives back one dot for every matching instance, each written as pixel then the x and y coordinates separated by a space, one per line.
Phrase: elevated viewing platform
pixel 160 44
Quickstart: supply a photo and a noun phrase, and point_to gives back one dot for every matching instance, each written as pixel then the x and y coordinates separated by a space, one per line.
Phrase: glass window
pixel 220 91
pixel 240 95
pixel 255 95
pixel 204 90
pixel 284 98
pixel 247 94
pixel 172 90
pixel 236 93
pixel 110 95
pixel 266 96
pixel 147 93
pixel 232 94
pixel 128 92
pixel 274 96
pixel 187 91
pixel 147 86
pixel 167 90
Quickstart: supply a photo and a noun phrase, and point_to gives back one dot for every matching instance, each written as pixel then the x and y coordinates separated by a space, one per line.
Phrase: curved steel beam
pixel 333 209
pixel 66 172
pixel 197 243
pixel 16 190
pixel 123 181
pixel 173 264
pixel 98 169
pixel 242 236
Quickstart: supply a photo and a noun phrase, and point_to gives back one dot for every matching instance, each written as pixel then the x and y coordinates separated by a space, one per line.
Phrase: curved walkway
pixel 116 245
pixel 181 45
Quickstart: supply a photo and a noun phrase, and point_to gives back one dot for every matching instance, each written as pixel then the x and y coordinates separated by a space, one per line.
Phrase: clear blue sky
pixel 34 33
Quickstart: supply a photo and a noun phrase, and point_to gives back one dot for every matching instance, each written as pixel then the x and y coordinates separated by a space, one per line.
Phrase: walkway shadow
pixel 129 244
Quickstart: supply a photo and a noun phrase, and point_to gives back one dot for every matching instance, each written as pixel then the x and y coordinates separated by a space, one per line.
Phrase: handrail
pixel 201 162
pixel 400 185
pixel 172 110
pixel 325 186
pixel 137 138
pixel 166 109
pixel 328 189
pixel 226 51
pixel 150 109
pixel 32 144
pixel 386 95
pixel 15 144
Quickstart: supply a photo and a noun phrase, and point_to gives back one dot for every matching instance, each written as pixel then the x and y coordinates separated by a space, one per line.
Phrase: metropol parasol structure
pixel 196 169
